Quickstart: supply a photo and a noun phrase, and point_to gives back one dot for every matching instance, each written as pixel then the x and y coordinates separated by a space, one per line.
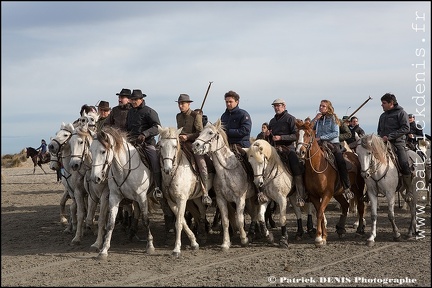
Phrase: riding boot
pixel 301 195
pixel 407 181
pixel 343 172
pixel 157 192
pixel 206 200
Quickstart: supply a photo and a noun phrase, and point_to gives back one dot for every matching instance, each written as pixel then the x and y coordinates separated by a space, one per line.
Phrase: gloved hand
pixel 141 138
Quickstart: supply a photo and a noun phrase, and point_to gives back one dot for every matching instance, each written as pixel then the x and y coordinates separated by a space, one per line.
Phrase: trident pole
pixel 364 103
pixel 205 97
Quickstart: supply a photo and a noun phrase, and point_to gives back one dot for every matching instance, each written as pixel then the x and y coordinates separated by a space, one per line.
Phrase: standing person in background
pixel 282 133
pixel 355 129
pixel 263 134
pixel 104 111
pixel 118 114
pixel 393 126
pixel 142 126
pixel 238 124
pixel 326 124
pixel 191 122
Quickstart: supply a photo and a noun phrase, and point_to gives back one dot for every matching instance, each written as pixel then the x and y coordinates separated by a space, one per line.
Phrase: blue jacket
pixel 238 125
pixel 327 129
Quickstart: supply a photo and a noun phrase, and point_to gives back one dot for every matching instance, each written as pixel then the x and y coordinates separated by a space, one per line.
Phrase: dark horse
pixel 37 159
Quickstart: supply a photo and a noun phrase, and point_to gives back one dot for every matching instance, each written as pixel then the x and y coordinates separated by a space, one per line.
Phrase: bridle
pixel 308 146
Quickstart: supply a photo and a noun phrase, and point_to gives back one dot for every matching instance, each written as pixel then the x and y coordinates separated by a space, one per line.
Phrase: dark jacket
pixel 142 120
pixel 356 129
pixel 344 132
pixel 237 124
pixel 394 124
pixel 191 121
pixel 283 125
pixel 416 130
pixel 117 116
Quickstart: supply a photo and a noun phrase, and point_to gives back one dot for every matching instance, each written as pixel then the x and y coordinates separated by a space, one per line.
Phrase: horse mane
pixel 376 145
pixel 264 147
pixel 221 129
pixel 117 135
pixel 81 131
pixel 31 151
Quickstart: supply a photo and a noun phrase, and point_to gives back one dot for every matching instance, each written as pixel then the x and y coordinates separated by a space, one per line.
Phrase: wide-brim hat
pixel 184 98
pixel 124 92
pixel 278 101
pixel 137 94
pixel 104 105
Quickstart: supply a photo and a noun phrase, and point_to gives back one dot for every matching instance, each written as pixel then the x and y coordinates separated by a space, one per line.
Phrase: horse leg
pixel 240 207
pixel 216 220
pixel 298 214
pixel 143 206
pixel 321 235
pixel 340 226
pixel 73 217
pixel 114 202
pixel 412 230
pixel 79 197
pixel 102 220
pixel 374 216
pixel 200 214
pixel 360 216
pixel 63 200
pixel 222 204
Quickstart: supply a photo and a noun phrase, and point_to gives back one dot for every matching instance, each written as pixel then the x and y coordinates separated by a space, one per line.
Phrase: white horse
pixel 59 146
pixel 230 183
pixel 272 175
pixel 180 183
pixel 98 193
pixel 128 177
pixel 382 177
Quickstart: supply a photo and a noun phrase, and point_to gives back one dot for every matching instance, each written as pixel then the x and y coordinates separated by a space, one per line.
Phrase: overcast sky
pixel 57 56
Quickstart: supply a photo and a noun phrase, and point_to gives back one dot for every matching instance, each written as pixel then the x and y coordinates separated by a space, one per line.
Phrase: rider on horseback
pixel 43 150
pixel 393 125
pixel 191 122
pixel 326 125
pixel 282 134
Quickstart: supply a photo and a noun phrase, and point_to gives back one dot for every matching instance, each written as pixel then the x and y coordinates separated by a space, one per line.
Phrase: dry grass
pixel 14 160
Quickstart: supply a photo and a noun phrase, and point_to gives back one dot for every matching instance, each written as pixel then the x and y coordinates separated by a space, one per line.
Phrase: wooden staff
pixel 352 114
pixel 205 97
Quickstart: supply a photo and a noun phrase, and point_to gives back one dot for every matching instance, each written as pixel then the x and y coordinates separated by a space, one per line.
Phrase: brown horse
pixel 323 183
pixel 37 160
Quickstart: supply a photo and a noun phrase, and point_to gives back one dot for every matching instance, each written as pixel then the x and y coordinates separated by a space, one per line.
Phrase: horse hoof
pixel 102 256
pixel 319 244
pixel 225 248
pixel 195 247
pixel 397 238
pixel 283 242
pixel 370 243
pixel 175 255
pixel 151 251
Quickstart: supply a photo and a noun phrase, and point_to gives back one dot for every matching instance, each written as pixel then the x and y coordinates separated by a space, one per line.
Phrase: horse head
pixel 258 155
pixel 305 138
pixel 208 140
pixel 79 143
pixel 169 145
pixel 62 136
pixel 103 148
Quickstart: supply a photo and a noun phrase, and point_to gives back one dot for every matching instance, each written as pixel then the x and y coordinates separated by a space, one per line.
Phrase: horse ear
pixel 159 128
pixel 179 130
pixel 246 149
pixel 218 123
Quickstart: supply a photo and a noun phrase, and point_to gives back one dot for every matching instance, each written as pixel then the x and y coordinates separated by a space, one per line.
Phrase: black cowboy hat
pixel 184 98
pixel 104 106
pixel 124 92
pixel 137 94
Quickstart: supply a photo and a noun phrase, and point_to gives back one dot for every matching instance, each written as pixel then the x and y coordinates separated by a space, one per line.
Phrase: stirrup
pixel 348 194
pixel 365 198
pixel 262 198
pixel 157 193
pixel 206 200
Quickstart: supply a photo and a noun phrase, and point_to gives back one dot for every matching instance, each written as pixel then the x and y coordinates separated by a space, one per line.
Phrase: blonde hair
pixel 330 111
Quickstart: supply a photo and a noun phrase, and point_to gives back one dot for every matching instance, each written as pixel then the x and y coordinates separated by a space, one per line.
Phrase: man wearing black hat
pixel 103 111
pixel 142 127
pixel 117 117
pixel 191 122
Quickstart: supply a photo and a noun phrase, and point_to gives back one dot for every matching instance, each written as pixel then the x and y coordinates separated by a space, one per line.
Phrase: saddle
pixel 283 152
pixel 241 155
pixel 187 149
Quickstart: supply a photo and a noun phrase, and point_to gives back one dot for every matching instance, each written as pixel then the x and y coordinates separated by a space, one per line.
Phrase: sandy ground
pixel 36 252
